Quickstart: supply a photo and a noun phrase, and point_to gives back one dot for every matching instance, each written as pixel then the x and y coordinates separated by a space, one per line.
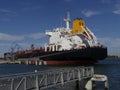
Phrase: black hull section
pixel 89 54
pixel 81 54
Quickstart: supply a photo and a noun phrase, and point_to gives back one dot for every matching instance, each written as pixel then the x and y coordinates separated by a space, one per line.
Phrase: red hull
pixel 55 63
pixel 85 62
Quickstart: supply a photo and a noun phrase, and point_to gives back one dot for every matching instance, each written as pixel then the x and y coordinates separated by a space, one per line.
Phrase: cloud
pixel 35 35
pixel 8 37
pixel 115 4
pixel 7 12
pixel 117 8
pixel 33 8
pixel 5 19
pixel 111 42
pixel 116 11
pixel 8 40
pixel 89 13
pixel 6 15
pixel 110 1
pixel 6 46
pixel 113 45
pixel 106 1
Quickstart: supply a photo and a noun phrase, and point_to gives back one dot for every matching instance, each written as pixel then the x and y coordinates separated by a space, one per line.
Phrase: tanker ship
pixel 67 46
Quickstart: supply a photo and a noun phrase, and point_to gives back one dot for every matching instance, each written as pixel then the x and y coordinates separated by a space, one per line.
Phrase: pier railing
pixel 43 80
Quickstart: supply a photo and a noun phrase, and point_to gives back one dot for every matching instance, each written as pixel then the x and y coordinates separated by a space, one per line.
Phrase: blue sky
pixel 25 21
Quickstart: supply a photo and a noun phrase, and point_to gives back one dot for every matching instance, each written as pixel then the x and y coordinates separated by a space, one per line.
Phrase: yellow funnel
pixel 77 26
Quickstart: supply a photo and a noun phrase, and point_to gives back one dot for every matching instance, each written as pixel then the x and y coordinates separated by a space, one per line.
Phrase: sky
pixel 24 22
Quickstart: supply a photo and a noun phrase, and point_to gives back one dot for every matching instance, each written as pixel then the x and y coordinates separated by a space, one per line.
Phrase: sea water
pixel 109 67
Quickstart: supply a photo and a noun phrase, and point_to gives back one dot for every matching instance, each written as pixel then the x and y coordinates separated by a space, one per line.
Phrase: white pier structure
pixel 97 78
pixel 44 80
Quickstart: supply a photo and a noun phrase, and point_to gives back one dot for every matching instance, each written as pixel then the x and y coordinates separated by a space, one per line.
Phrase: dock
pixel 39 80
pixel 44 80
pixel 4 61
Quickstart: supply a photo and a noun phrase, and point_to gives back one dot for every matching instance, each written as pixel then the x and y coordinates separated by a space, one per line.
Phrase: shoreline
pixel 4 61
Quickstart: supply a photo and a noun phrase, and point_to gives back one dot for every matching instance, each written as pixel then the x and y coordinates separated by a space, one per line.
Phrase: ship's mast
pixel 67 20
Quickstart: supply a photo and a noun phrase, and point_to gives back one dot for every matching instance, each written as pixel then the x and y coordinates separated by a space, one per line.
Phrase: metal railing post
pixel 25 83
pixel 36 82
pixel 12 84
pixel 62 80
pixel 79 75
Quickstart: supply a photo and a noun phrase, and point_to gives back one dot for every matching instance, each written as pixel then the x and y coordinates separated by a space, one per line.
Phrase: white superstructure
pixel 79 36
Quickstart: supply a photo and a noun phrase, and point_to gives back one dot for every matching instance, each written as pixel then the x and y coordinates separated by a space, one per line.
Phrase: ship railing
pixel 39 80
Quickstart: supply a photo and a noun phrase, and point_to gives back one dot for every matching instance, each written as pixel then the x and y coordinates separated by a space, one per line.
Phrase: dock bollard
pixel 35 71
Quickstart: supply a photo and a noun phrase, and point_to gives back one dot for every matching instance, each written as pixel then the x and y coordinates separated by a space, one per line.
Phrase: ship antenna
pixel 67 20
